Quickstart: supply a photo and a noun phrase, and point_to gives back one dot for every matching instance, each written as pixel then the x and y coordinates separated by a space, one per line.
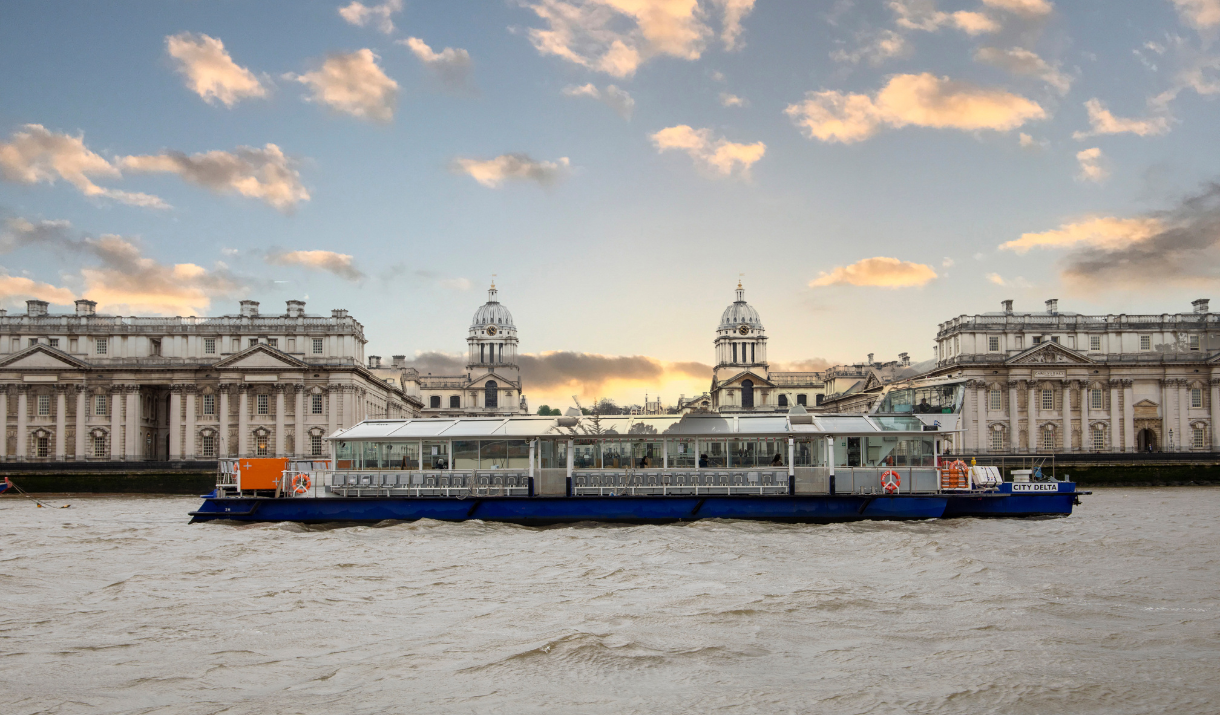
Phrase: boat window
pixel 939 399
pixel 717 452
pixel 682 453
pixel 400 455
pixel 649 451
pixel 436 455
pixel 586 454
pixel 465 454
pixel 370 455
pixel 744 453
pixel 345 456
pixel 616 455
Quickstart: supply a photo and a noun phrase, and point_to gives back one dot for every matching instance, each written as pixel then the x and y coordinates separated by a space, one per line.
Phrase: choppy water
pixel 117 605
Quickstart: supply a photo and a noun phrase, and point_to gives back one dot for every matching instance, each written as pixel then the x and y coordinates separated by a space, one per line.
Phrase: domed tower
pixel 493 338
pixel 741 341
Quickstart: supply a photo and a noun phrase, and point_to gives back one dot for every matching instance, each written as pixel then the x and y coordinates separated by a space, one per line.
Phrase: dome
pixel 740 312
pixel 492 312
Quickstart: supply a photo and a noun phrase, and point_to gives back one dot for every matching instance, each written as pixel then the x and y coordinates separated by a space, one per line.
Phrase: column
pixel 1065 416
pixel 82 414
pixel 1086 433
pixel 188 439
pixel 1013 423
pixel 298 422
pixel 279 418
pixel 1031 416
pixel 349 407
pixel 23 421
pixel 1184 441
pixel 175 423
pixel 4 420
pixel 1215 409
pixel 980 436
pixel 135 450
pixel 224 449
pixel 332 409
pixel 116 422
pixel 61 423
pixel 243 420
pixel 1166 422
pixel 1128 416
pixel 1116 441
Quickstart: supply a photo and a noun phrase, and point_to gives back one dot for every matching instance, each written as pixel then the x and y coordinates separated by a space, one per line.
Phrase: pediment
pixel 501 381
pixel 736 380
pixel 1049 353
pixel 261 357
pixel 42 357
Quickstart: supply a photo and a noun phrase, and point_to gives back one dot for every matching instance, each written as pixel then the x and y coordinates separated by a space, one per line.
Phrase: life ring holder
pixel 301 483
pixel 891 481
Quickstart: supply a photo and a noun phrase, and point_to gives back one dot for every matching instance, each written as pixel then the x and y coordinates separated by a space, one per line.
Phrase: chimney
pixel 36 308
pixel 1200 305
pixel 249 309
pixel 399 361
pixel 1052 306
pixel 338 313
pixel 1007 306
pixel 904 358
pixel 870 358
pixel 296 308
pixel 374 362
pixel 86 307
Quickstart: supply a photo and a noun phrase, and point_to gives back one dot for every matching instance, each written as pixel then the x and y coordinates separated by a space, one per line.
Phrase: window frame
pixel 99 445
pixel 1097 400
pixel 209 346
pixel 207 445
pixel 260 445
pixel 1095 343
pixel 1196 398
pixel 1198 437
pixel 315 445
pixel 1098 438
pixel 1047 395
pixel 1043 432
pixel 101 346
pixel 315 404
pixel 995 399
pixel 996 443
pixel 101 405
pixel 318 346
pixel 208 404
pixel 993 343
pixel 262 404
pixel 1145 343
pixel 42 406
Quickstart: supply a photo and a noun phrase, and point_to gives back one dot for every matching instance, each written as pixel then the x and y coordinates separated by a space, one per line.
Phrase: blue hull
pixel 632 509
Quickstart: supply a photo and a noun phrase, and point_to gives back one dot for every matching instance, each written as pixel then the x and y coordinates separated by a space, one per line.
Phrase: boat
pixel 532 470
pixel 5 486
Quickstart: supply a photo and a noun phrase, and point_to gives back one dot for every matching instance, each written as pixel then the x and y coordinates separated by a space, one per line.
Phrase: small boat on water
pixel 5 486
pixel 796 467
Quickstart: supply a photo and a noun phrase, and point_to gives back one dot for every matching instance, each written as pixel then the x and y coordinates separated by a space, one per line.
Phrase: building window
pixel 1055 339
pixel 260 445
pixel 1196 397
pixel 100 345
pixel 434 401
pixel 315 445
pixel 317 346
pixel 209 404
pixel 995 400
pixel 315 404
pixel 209 346
pixel 44 405
pixel 1095 399
pixel 783 400
pixel 997 440
pixel 1197 438
pixel 1095 342
pixel 1037 340
pixel 41 446
pixel 1099 438
pixel 455 401
pixel 1145 342
pixel 1194 342
pixel 1048 438
pixel 99 445
pixel 802 400
pixel 491 398
pixel 273 342
pixel 1048 399
pixel 54 342
pixel 208 445
pixel 154 347
pixel 261 404
pixel 253 342
pixel 99 405
pixel 993 343
pixel 33 342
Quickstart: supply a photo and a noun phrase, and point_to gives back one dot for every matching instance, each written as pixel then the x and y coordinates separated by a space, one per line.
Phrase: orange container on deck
pixel 260 473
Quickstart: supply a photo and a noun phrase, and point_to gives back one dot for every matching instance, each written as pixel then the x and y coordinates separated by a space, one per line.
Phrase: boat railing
pixel 605 482
pixel 506 482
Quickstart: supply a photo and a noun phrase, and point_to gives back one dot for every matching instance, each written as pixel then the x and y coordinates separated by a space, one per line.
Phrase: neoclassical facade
pixel 1063 382
pixel 742 380
pixel 88 387
pixel 492 383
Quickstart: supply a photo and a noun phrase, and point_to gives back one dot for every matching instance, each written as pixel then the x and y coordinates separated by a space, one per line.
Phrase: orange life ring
pixel 890 481
pixel 955 476
pixel 301 483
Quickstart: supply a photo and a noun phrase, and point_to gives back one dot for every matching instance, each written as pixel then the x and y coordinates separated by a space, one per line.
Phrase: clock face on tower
pixel 491 330
pixel 744 330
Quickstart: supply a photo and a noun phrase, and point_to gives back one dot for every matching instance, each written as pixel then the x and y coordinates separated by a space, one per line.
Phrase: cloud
pixel 809 365
pixel 718 155
pixel 512 167
pixel 1101 121
pixel 923 15
pixel 354 84
pixel 617 36
pixel 922 100
pixel 264 174
pixel 1025 8
pixel 340 264
pixel 20 287
pixel 617 99
pixel 996 278
pixel 875 49
pixel 35 155
pixel 880 271
pixel 1098 232
pixel 1018 282
pixel 361 15
pixel 121 278
pixel 1200 14
pixel 732 100
pixel 455 283
pixel 451 66
pixel 209 70
pixel 947 262
pixel 1028 142
pixel 1092 166
pixel 1020 61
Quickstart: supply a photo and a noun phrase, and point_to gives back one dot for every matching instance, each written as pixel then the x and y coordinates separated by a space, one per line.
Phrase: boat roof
pixel 644 427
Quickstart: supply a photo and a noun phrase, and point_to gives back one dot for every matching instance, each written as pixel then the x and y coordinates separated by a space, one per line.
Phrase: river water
pixel 116 605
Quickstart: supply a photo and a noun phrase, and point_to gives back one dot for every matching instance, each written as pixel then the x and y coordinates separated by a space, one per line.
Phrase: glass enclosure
pixel 932 399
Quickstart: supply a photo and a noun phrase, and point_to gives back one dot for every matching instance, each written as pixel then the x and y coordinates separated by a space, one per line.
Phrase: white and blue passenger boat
pixel 796 467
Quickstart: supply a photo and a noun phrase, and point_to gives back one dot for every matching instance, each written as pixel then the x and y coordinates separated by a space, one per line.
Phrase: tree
pixel 548 411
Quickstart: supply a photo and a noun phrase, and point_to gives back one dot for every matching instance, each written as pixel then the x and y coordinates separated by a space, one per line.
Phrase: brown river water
pixel 117 605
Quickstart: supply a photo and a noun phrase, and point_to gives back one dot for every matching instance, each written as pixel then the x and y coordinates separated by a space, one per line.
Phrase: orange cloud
pixel 1101 232
pixel 209 70
pixel 21 287
pixel 719 155
pixel 881 271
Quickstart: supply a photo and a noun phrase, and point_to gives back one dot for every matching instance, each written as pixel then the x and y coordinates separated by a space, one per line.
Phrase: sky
pixel 866 169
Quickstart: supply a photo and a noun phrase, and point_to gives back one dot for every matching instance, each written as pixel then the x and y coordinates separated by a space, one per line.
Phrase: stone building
pixel 1063 382
pixel 88 387
pixel 742 380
